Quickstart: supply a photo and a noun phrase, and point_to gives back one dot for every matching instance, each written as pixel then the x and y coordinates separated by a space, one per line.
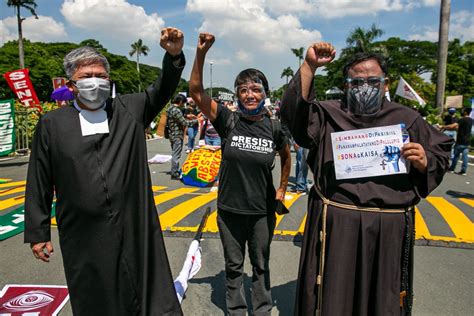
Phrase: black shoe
pixel 175 177
pixel 461 173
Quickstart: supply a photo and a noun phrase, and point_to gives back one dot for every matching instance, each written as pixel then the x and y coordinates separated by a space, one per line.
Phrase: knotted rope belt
pixel 322 238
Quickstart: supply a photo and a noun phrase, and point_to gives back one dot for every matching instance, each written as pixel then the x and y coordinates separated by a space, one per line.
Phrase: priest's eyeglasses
pixel 370 81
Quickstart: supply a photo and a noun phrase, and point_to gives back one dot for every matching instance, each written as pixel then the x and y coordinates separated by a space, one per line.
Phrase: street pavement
pixel 443 256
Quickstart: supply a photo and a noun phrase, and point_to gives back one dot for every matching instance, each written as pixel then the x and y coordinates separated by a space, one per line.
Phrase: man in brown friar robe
pixel 92 156
pixel 357 252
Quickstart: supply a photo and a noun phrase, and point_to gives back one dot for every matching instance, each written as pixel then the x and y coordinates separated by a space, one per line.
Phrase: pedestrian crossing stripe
pixel 460 225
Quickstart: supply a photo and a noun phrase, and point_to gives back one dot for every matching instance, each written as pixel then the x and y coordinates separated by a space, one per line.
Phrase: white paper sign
pixel 369 152
pixel 93 122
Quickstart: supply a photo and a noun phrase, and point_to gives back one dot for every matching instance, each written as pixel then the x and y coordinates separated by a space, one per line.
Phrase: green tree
pixel 299 53
pixel 361 40
pixel 138 48
pixel 30 5
pixel 287 72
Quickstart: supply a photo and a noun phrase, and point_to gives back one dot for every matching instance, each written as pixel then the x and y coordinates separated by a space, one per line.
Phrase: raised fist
pixel 319 54
pixel 205 42
pixel 172 40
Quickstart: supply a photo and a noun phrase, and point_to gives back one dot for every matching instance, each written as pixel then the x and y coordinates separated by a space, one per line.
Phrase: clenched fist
pixel 205 42
pixel 172 40
pixel 319 54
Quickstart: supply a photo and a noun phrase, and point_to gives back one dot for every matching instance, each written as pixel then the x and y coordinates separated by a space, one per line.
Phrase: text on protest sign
pixel 369 152
pixel 20 83
pixel 7 127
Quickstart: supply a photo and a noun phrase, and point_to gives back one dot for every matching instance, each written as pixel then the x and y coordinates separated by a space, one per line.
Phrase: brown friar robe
pixel 114 255
pixel 368 255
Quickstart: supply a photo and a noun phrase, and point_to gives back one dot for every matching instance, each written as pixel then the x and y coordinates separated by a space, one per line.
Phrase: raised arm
pixel 317 55
pixel 158 94
pixel 296 110
pixel 203 101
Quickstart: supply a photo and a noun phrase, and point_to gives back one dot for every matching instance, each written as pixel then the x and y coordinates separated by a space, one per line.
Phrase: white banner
pixel 369 152
pixel 406 91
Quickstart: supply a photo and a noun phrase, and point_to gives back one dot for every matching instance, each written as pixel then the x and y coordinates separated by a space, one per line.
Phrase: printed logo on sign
pixel 29 301
pixel 254 144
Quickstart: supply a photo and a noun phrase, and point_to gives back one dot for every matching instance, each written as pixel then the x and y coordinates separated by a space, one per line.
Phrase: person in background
pixel 464 128
pixel 211 137
pixel 301 170
pixel 247 199
pixel 191 130
pixel 357 252
pixel 92 156
pixel 178 123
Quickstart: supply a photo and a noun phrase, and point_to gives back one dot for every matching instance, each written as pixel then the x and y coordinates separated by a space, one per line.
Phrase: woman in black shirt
pixel 247 199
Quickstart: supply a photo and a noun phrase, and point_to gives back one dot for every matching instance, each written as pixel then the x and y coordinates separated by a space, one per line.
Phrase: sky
pixel 249 33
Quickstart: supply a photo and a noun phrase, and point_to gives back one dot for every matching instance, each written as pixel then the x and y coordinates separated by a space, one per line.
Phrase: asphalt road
pixel 443 275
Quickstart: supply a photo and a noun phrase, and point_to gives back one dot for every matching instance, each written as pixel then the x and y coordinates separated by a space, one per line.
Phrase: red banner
pixel 59 82
pixel 20 83
pixel 40 300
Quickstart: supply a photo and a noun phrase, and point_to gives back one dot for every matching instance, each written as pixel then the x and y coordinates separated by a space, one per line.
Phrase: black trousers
pixel 237 230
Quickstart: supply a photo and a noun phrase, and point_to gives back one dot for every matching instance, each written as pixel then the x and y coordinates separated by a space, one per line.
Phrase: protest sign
pixel 368 152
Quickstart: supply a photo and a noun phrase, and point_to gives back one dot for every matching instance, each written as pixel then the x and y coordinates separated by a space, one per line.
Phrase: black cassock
pixel 368 255
pixel 114 256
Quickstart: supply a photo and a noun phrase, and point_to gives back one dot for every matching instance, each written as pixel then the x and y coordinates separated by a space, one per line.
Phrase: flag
pixel 406 91
pixel 192 263
pixel 20 83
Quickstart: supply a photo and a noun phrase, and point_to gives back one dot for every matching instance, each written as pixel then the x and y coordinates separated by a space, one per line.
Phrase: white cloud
pixel 43 29
pixel 116 19
pixel 461 26
pixel 335 8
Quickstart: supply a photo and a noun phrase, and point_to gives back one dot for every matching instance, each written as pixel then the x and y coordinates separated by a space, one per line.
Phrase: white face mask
pixel 93 92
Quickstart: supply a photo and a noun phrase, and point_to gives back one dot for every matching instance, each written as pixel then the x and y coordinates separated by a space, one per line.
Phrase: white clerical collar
pixel 79 109
pixel 93 122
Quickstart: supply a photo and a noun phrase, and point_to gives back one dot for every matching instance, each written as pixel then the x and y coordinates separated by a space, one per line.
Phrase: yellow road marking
pixel 12 190
pixel 460 224
pixel 14 201
pixel 180 211
pixel 421 229
pixel 303 223
pixel 469 202
pixel 12 184
pixel 173 194
pixel 211 224
pixel 288 203
pixel 156 188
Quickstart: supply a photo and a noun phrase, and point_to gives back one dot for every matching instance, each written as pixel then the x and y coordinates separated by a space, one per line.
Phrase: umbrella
pixel 192 263
pixel 62 94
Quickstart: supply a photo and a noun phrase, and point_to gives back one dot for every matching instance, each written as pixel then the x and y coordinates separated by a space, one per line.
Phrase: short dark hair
pixel 466 111
pixel 360 57
pixel 252 74
pixel 179 98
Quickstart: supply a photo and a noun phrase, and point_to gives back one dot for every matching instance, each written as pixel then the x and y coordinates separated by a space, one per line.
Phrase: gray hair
pixel 83 56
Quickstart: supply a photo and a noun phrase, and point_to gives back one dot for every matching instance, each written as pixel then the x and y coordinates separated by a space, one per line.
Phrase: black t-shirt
pixel 464 131
pixel 191 110
pixel 245 175
pixel 449 119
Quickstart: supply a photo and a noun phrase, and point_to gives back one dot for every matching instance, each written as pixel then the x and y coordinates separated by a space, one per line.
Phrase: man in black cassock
pixel 357 253
pixel 92 156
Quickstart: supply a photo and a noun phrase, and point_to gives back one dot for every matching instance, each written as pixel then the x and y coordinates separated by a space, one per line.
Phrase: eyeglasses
pixel 371 81
pixel 245 90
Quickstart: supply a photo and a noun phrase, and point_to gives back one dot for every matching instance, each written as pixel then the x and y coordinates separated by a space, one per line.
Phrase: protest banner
pixel 368 152
pixel 202 166
pixel 38 300
pixel 20 83
pixel 7 127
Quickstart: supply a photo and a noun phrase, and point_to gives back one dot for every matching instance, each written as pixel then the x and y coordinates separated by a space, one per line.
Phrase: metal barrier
pixel 21 132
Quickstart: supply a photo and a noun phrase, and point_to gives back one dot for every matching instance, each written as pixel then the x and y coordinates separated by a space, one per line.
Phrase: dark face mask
pixel 364 100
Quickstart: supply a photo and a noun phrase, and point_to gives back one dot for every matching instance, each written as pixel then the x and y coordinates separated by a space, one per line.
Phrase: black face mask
pixel 364 100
